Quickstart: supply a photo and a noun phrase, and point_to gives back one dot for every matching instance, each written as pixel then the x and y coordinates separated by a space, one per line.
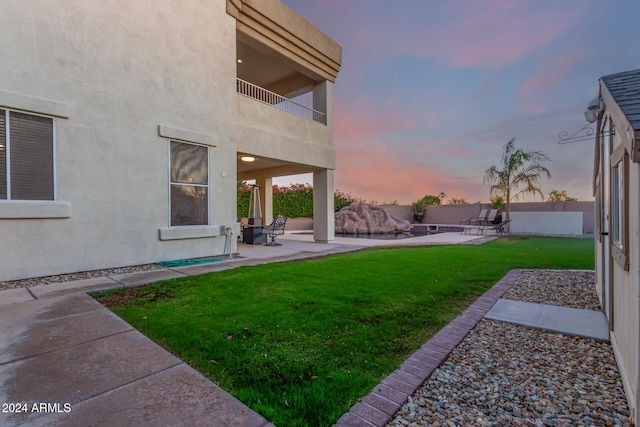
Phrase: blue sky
pixel 430 91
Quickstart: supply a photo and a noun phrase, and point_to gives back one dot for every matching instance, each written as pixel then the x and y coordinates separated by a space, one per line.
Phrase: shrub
pixel 295 201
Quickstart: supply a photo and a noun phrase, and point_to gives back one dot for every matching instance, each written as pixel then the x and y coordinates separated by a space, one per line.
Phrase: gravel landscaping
pixel 502 374
pixel 61 278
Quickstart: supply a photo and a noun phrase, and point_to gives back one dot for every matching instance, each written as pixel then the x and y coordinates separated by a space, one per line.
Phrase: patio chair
pixel 490 217
pixel 476 219
pixel 500 228
pixel 276 228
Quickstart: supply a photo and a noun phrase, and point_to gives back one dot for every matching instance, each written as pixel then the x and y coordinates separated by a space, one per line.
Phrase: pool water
pixel 388 236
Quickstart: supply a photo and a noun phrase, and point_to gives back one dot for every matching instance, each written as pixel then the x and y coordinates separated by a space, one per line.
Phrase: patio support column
pixel 323 215
pixel 266 196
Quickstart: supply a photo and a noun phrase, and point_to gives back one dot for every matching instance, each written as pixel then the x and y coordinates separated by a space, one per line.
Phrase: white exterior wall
pixel 625 296
pixel 626 301
pixel 122 69
pixel 553 223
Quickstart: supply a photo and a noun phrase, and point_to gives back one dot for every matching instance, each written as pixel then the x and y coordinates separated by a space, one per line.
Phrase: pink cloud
pixel 358 121
pixel 491 33
pixel 549 76
pixel 373 168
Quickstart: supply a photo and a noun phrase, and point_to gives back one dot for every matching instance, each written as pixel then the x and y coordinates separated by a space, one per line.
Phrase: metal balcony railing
pixel 267 97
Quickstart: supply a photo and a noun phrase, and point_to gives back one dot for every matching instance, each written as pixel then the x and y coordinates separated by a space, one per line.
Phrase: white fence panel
pixel 556 223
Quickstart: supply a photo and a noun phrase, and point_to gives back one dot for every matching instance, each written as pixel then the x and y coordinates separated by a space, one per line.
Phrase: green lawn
pixel 300 342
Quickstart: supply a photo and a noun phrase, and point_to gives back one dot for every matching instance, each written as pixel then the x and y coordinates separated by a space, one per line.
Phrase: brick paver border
pixel 378 407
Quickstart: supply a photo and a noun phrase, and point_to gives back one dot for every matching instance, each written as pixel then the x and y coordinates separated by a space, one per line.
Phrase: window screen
pixel 189 175
pixel 26 157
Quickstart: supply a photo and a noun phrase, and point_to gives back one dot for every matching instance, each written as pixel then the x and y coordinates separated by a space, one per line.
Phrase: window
pixel 619 210
pixel 617 204
pixel 26 156
pixel 189 184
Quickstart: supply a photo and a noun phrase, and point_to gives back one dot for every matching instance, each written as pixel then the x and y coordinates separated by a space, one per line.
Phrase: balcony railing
pixel 267 97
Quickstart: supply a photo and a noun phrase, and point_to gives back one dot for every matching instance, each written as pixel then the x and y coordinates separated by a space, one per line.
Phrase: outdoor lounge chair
pixel 490 217
pixel 500 228
pixel 276 228
pixel 476 219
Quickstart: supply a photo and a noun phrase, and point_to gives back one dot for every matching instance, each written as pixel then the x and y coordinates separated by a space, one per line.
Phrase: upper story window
pixel 27 161
pixel 189 184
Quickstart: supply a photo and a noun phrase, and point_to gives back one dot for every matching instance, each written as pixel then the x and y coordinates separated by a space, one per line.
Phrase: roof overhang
pixel 629 136
pixel 272 24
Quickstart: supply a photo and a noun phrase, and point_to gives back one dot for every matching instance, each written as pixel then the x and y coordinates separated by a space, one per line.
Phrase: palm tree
pixel 519 174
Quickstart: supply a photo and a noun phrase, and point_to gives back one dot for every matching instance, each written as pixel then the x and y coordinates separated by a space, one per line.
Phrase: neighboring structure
pixel 617 192
pixel 122 127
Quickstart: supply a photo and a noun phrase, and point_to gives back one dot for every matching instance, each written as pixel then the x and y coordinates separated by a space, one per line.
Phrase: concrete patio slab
pixel 71 350
pixel 12 296
pixel 65 331
pixel 177 396
pixel 79 372
pixel 430 239
pixel 564 320
pixel 88 285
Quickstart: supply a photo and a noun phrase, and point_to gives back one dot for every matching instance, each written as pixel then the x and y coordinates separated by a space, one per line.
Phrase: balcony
pixel 273 99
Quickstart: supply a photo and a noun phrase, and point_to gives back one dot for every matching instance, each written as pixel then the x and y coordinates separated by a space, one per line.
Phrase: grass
pixel 301 342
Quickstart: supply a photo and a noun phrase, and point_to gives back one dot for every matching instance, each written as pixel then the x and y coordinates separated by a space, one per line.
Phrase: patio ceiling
pixel 263 166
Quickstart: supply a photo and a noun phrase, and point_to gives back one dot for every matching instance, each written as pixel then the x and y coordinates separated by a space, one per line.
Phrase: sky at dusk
pixel 430 91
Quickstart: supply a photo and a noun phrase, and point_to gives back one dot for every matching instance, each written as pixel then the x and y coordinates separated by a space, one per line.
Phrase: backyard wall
pixel 554 218
pixel 554 223
pixel 539 216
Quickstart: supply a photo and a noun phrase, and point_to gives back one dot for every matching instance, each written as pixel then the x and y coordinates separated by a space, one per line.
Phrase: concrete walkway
pixel 564 320
pixel 68 361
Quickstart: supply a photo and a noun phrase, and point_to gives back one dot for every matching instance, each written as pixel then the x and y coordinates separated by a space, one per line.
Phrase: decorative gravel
pixel 40 281
pixel 566 288
pixel 507 375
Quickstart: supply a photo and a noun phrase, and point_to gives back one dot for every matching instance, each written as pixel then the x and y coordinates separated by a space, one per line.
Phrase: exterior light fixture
pixel 591 115
pixel 595 105
pixel 248 159
pixel 239 61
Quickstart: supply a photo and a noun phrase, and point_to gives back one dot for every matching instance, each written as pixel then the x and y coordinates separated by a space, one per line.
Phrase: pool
pixel 383 236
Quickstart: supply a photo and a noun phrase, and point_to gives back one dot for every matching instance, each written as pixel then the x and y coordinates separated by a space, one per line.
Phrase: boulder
pixel 361 218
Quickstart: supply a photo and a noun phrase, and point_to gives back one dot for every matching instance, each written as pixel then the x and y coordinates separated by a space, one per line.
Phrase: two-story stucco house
pixel 122 125
pixel 617 193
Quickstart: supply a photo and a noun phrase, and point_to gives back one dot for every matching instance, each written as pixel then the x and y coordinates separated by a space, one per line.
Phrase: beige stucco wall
pixel 122 68
pixel 269 132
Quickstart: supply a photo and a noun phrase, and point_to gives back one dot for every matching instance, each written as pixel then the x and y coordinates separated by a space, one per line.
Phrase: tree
pixel 518 174
pixel 455 201
pixel 560 196
pixel 497 202
pixel 418 206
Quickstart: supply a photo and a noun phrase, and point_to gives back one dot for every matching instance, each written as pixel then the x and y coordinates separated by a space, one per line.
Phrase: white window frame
pixel 617 204
pixel 7 149
pixel 171 184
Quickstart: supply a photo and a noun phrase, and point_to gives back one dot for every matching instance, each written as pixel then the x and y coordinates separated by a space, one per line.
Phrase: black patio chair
pixel 276 228
pixel 476 219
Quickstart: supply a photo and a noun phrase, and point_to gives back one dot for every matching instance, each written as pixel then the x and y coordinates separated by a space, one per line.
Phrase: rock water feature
pixel 363 218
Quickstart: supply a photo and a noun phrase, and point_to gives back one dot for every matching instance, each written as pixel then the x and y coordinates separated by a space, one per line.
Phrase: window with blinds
pixel 26 156
pixel 189 184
